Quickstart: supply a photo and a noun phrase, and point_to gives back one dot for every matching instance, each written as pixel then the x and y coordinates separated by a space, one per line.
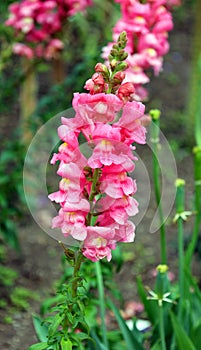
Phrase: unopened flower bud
pixel 162 268
pixel 115 46
pixel 122 39
pixel 113 63
pixel 125 91
pixel 119 77
pixel 123 56
pixel 98 79
pixel 155 114
pixel 114 52
pixel 101 68
pixel 122 66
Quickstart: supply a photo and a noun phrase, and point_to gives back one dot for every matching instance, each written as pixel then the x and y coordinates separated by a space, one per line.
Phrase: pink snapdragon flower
pixel 71 185
pixel 72 218
pixel 37 23
pixel 99 242
pixel 147 25
pixel 100 107
pixel 96 192
pixel 130 123
pixel 115 182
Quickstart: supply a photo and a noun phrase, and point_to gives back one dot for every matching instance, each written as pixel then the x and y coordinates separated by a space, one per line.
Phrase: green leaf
pixel 149 305
pixel 48 303
pixel 131 341
pixel 196 334
pixel 156 346
pixel 83 336
pixel 183 341
pixel 39 346
pixel 66 344
pixel 98 344
pixel 55 324
pixel 41 329
pixel 117 257
pixel 193 283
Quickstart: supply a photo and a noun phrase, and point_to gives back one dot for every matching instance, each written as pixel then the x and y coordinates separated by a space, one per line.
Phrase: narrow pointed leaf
pixel 150 306
pixel 98 344
pixel 41 329
pixel 183 341
pixel 39 346
pixel 131 342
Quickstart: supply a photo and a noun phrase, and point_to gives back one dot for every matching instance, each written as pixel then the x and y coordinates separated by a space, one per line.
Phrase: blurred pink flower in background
pixel 38 23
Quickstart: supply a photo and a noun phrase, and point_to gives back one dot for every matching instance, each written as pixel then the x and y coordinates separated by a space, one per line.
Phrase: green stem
pixel 78 262
pixel 102 302
pixel 194 101
pixel 94 183
pixel 198 109
pixel 93 192
pixel 180 198
pixel 157 182
pixel 161 327
pixel 181 257
pixel 197 175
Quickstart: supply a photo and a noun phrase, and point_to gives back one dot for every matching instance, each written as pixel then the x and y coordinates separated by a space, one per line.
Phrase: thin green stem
pixel 78 262
pixel 181 257
pixel 102 302
pixel 161 327
pixel 195 234
pixel 157 183
pixel 198 111
pixel 92 195
pixel 180 207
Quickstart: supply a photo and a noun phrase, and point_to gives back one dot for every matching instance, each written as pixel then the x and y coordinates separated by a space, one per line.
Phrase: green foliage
pixel 65 314
pixel 12 195
pixel 133 338
pixel 40 328
pixel 183 340
pixel 39 346
pixel 20 297
pixel 7 276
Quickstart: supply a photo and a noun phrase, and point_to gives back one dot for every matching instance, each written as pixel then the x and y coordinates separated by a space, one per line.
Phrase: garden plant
pixel 86 178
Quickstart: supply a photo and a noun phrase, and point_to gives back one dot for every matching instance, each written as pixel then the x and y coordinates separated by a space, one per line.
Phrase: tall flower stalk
pixel 96 193
pixel 155 128
pixel 147 24
pixel 197 201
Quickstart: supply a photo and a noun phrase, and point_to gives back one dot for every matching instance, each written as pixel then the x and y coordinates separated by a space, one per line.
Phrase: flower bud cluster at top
pixel 96 193
pixel 38 23
pixel 147 24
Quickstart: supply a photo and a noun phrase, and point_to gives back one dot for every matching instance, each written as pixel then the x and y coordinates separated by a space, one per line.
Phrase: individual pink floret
pixel 72 218
pixel 130 123
pixel 115 182
pixel 99 242
pixel 100 107
pixel 71 185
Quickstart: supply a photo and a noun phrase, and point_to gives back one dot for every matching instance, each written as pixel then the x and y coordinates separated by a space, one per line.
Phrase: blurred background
pixel 34 90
